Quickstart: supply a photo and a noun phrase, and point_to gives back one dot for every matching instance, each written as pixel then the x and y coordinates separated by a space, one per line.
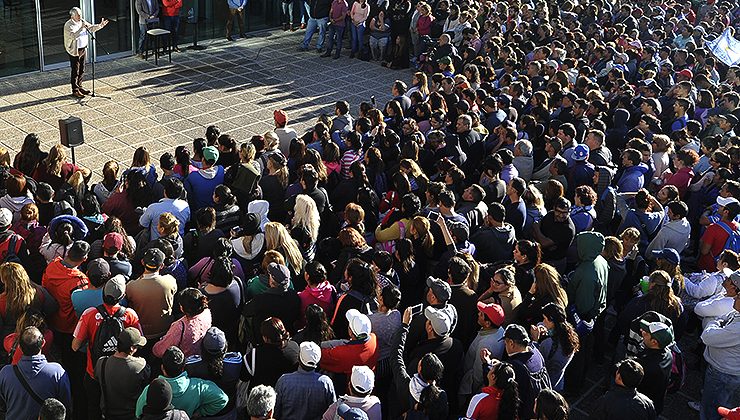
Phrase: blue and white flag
pixel 726 48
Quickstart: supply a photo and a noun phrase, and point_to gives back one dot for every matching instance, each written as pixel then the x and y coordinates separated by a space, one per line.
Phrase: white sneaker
pixel 694 405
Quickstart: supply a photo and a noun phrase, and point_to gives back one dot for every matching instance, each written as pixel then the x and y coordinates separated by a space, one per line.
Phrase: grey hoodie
pixel 674 234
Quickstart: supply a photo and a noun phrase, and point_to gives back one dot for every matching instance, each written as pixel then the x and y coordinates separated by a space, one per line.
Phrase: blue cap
pixel 580 152
pixel 668 254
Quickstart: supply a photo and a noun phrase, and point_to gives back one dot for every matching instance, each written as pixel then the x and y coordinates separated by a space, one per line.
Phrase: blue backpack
pixel 733 240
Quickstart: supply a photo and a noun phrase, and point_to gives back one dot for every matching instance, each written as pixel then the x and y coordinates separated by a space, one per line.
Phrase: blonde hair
pixel 29 212
pixel 278 238
pixel 271 140
pixel 613 248
pixel 54 161
pixel 168 223
pixel 4 157
pixel 306 214
pixel 281 172
pixel 422 228
pixel 547 282
pixel 77 182
pixel 247 151
pixel 19 292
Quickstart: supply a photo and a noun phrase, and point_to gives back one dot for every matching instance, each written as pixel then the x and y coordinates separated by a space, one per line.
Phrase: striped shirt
pixel 348 158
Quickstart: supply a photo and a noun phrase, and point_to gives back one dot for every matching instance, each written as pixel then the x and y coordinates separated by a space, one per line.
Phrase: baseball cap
pixel 310 354
pixel 153 258
pixel 552 63
pixel 280 274
pixel 173 356
pixel 734 276
pixel 362 379
pixel 210 153
pixel 730 414
pixel 622 56
pixel 504 99
pixel 668 254
pixel 214 342
pixel 723 201
pixel 661 332
pixel 280 116
pixel 517 333
pixel 6 217
pixel 440 320
pixel 113 240
pixel 115 287
pixel 729 117
pixel 98 271
pixel 440 288
pixel 685 73
pixel 493 311
pixel 131 337
pixel 346 412
pixel 359 323
pixel 580 152
pixel 445 60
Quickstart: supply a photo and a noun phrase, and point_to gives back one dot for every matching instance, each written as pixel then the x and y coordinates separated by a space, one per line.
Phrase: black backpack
pixel 105 341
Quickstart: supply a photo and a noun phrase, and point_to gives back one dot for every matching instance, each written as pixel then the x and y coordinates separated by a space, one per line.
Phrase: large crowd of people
pixel 555 189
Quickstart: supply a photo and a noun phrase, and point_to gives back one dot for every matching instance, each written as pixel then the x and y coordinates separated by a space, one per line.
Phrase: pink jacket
pixel 324 295
pixel 185 333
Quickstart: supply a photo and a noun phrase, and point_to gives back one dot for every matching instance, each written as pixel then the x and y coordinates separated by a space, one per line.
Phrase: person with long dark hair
pixel 317 327
pixel 550 405
pixel 278 354
pixel 225 294
pixel 527 255
pixel 30 155
pixel 218 365
pixel 360 281
pixel 187 332
pixel 500 399
pixel 558 342
pixel 135 192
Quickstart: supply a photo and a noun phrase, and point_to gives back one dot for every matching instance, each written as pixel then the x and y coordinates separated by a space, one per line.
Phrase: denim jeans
pixel 172 24
pixel 378 47
pixel 302 10
pixel 719 389
pixel 358 36
pixel 313 25
pixel 336 33
pixel 143 27
pixel 288 12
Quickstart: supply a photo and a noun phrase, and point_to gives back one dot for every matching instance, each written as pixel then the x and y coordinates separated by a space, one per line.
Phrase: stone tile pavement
pixel 233 85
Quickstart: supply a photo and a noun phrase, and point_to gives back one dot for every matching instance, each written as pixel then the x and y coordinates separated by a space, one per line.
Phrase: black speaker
pixel 70 132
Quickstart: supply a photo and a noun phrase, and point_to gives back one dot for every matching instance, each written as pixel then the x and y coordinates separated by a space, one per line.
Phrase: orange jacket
pixel 60 281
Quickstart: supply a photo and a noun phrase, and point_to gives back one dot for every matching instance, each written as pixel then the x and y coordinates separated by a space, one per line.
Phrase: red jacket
pixel 171 7
pixel 485 405
pixel 60 281
pixel 355 353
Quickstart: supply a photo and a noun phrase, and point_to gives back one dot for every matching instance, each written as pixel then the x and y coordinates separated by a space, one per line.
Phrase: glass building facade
pixel 31 31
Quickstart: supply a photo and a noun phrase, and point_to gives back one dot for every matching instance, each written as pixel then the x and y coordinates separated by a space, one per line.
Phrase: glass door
pixel 19 41
pixel 116 37
pixel 54 14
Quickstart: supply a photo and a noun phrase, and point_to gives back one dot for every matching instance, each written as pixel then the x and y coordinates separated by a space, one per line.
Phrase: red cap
pixel 733 414
pixel 493 311
pixel 686 73
pixel 280 117
pixel 113 240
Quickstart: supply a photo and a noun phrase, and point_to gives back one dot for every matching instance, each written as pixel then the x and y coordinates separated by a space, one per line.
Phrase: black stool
pixel 157 34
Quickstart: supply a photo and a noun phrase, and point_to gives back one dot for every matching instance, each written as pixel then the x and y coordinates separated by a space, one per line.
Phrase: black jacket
pixel 494 244
pixel 319 8
pixel 621 403
pixel 657 365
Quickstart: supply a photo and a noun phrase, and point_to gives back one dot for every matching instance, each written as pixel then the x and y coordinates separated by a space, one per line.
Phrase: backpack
pixel 733 240
pixel 106 338
pixel 10 254
pixel 677 378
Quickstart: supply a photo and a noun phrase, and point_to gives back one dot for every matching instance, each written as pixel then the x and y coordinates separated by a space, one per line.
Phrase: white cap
pixel 363 379
pixel 552 63
pixel 722 201
pixel 6 217
pixel 359 323
pixel 310 354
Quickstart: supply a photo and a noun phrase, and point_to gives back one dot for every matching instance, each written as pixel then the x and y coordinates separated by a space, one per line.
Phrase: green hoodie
pixel 587 287
pixel 192 395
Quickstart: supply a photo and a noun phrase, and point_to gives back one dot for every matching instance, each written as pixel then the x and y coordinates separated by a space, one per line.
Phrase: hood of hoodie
pixel 179 384
pixel 639 169
pixel 322 292
pixel 261 207
pixel 680 226
pixel 621 116
pixel 15 204
pixel 209 173
pixel 605 179
pixel 590 245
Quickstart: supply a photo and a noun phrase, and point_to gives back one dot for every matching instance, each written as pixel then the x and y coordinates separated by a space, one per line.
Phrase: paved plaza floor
pixel 235 85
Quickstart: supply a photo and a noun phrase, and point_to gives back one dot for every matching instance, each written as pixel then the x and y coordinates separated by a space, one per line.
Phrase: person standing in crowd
pixel 76 32
pixel 152 296
pixel 318 19
pixel 122 376
pixel 171 20
pixel 45 379
pixel 148 12
pixel 624 400
pixel 305 393
pixel 236 12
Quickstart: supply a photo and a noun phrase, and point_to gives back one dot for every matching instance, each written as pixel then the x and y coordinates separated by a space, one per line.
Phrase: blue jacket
pixel 48 380
pixel 235 4
pixel 632 179
pixel 200 186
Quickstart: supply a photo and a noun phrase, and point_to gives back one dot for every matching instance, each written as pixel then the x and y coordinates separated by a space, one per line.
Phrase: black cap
pixel 517 333
pixel 153 258
pixel 158 397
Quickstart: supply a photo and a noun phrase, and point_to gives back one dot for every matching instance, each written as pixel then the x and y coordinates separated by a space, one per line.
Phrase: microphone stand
pixel 95 42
